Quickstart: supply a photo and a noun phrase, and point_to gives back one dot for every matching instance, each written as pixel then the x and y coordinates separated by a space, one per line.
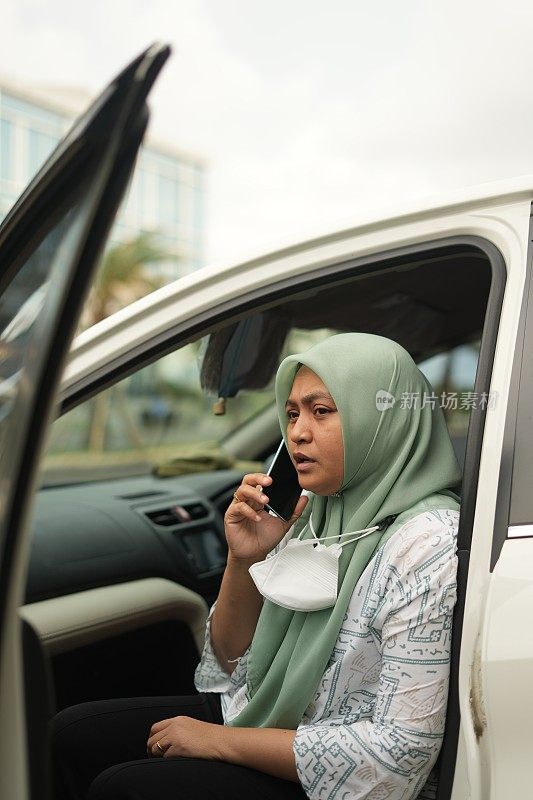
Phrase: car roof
pixel 467 198
pixel 494 193
pixel 470 199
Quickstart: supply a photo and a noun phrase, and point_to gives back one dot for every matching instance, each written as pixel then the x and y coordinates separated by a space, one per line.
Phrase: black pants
pixel 99 753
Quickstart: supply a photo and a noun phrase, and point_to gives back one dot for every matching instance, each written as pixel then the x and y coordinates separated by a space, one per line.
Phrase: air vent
pixel 177 515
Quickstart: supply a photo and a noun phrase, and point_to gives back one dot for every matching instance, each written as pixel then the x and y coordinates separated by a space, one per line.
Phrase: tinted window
pixel 24 308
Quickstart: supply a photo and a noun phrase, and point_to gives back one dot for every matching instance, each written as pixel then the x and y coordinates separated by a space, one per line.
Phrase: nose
pixel 300 431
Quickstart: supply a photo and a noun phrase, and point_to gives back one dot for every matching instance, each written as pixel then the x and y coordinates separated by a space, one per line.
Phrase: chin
pixel 314 486
pixel 307 484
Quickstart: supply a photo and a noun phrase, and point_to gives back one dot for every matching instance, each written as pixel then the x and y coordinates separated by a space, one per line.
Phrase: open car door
pixel 49 245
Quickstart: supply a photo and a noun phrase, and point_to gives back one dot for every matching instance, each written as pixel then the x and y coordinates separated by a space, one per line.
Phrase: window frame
pixel 515 499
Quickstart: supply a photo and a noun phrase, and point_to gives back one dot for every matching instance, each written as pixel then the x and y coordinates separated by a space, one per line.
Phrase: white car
pixel 109 563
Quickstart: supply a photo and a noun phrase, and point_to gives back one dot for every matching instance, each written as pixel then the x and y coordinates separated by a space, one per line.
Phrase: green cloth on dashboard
pixel 206 457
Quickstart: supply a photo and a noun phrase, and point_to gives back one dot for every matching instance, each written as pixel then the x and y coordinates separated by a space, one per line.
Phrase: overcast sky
pixel 308 113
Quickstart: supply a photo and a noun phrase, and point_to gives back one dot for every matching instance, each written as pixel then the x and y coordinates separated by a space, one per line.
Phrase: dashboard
pixel 103 533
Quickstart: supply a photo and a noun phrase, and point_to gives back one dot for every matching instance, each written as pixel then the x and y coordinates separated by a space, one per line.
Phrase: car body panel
pixel 132 329
pixel 506 658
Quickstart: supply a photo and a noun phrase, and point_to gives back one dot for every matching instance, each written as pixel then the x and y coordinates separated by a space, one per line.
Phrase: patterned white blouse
pixel 374 728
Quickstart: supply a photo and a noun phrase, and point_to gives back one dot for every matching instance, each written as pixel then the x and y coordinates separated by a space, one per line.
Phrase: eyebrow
pixel 307 399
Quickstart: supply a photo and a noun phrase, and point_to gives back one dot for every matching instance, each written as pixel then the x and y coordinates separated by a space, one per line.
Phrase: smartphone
pixel 285 489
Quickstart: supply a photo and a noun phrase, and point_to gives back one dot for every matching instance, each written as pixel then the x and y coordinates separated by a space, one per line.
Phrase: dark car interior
pixel 123 570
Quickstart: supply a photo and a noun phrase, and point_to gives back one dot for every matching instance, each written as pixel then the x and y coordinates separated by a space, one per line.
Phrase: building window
pixel 26 110
pixel 6 150
pixel 198 218
pixel 168 200
pixel 40 145
pixel 165 195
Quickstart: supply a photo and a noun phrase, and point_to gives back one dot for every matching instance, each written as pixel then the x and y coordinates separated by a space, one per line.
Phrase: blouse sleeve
pixel 390 753
pixel 209 675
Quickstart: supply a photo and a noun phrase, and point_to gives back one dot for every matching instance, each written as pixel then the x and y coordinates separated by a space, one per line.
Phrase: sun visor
pixel 244 355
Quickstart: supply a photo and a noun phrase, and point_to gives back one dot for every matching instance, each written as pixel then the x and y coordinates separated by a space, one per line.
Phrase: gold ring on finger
pixel 236 497
pixel 158 745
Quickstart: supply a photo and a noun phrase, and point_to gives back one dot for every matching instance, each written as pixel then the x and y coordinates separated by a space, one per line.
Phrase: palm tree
pixel 123 277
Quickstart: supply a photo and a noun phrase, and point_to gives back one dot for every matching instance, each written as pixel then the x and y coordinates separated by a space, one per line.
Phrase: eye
pixel 321 411
pixel 292 415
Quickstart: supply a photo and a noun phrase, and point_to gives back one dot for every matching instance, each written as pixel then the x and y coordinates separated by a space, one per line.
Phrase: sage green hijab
pixel 397 461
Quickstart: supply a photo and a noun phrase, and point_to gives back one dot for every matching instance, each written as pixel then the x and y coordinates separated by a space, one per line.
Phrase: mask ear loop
pixel 307 525
pixel 367 531
pixel 363 534
pixel 363 531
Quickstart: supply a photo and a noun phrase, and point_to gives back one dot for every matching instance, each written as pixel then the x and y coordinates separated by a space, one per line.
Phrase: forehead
pixel 306 381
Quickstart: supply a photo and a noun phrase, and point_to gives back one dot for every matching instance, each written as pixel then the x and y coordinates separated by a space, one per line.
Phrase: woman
pixel 348 699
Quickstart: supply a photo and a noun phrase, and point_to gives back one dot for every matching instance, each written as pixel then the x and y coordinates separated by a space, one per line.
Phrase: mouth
pixel 301 459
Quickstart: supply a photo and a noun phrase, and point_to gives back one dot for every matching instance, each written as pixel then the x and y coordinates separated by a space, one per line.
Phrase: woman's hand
pixel 251 532
pixel 183 736
pixel 268 750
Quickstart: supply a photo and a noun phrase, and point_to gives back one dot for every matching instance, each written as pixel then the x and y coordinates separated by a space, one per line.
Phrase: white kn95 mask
pixel 303 575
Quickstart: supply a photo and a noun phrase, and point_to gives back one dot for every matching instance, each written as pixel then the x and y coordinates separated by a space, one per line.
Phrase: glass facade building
pixel 166 194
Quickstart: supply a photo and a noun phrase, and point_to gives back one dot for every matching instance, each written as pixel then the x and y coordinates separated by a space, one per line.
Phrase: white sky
pixel 307 112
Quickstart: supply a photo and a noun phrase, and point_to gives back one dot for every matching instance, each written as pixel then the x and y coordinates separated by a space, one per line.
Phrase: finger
pixel 243 510
pixel 256 479
pixel 159 726
pixel 251 495
pixel 170 751
pixel 155 737
pixel 160 747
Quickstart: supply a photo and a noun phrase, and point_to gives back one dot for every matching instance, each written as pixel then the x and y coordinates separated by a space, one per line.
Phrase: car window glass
pixel 144 420
pixel 154 415
pixel 160 412
pixel 23 313
pixel 452 375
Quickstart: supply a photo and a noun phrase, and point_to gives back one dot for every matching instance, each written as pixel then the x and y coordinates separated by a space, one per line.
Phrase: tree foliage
pixel 124 276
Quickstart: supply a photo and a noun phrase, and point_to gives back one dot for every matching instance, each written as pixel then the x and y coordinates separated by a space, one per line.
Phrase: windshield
pixel 143 421
pixel 158 419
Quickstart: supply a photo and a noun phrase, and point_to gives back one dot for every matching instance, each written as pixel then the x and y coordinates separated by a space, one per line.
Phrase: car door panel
pixel 103 642
pixel 503 657
pixel 49 244
pixel 503 700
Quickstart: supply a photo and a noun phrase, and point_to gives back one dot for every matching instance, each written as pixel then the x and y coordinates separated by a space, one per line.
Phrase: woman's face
pixel 314 434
